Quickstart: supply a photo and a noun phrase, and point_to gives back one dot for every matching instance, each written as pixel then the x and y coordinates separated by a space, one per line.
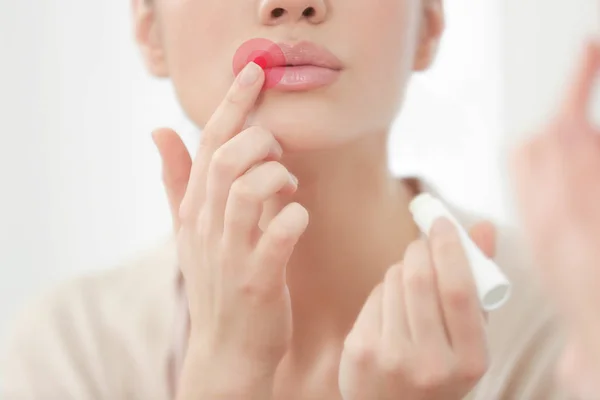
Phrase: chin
pixel 303 123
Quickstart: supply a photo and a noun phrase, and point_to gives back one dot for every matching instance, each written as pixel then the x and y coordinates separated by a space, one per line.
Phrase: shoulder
pixel 70 341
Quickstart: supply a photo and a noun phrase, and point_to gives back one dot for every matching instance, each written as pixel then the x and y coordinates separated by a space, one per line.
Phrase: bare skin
pixel 557 177
pixel 310 252
pixel 242 291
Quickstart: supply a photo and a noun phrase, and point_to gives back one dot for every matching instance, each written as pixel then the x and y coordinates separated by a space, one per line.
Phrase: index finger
pixel 581 92
pixel 227 121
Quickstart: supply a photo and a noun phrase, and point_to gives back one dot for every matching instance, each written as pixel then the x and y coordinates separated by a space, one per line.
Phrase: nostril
pixel 309 12
pixel 278 12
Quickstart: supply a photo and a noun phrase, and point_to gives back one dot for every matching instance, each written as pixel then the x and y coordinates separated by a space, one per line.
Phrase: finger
pixel 524 163
pixel 361 346
pixel 227 121
pixel 370 318
pixel 483 235
pixel 457 290
pixel 422 299
pixel 230 162
pixel 395 332
pixel 581 92
pixel 245 203
pixel 538 169
pixel 176 166
pixel 276 245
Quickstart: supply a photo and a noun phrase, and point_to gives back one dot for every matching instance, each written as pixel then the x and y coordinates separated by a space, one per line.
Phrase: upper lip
pixel 306 53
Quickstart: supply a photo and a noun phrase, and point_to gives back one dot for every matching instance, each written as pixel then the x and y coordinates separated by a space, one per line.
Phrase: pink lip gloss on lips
pixel 264 53
pixel 290 67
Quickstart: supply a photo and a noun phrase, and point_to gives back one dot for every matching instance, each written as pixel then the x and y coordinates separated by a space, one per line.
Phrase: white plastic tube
pixel 493 287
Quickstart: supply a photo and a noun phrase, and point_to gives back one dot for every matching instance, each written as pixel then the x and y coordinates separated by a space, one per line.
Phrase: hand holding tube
pixel 493 288
pixel 421 333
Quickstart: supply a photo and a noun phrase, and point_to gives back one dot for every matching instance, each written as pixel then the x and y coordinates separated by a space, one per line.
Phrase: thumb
pixel 484 235
pixel 176 167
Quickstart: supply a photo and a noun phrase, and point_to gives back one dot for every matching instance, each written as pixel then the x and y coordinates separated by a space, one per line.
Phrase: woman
pixel 377 312
pixel 559 194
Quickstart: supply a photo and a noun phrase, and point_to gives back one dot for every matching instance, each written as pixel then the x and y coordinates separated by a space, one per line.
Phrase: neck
pixel 359 226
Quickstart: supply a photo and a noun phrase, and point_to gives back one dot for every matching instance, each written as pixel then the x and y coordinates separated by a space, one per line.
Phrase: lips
pixel 305 54
pixel 288 66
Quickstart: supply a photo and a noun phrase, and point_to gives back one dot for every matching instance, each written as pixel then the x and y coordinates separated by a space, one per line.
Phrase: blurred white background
pixel 80 177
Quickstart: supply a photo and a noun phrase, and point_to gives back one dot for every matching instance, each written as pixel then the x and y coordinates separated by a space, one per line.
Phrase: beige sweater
pixel 114 336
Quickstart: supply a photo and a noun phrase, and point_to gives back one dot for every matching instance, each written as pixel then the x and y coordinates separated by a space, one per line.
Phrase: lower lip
pixel 299 78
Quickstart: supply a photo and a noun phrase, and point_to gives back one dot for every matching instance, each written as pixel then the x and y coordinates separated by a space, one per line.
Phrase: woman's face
pixel 379 44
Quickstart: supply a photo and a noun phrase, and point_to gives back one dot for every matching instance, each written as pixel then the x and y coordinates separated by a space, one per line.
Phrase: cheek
pixel 200 48
pixel 386 31
pixel 386 46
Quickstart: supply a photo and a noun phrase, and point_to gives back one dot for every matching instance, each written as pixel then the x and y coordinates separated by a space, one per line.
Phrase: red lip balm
pixel 265 53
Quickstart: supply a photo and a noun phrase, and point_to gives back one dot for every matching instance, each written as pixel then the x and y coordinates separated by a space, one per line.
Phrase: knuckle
pixel 360 352
pixel 457 297
pixel 395 273
pixel 472 370
pixel 187 214
pixel 249 290
pixel 416 251
pixel 430 376
pixel 207 139
pixel 262 140
pixel 280 236
pixel 420 279
pixel 446 245
pixel 394 365
pixel 222 164
pixel 242 192
pixel 273 253
pixel 418 271
pixel 259 133
pixel 430 380
pixel 235 97
pixel 257 292
pixel 278 170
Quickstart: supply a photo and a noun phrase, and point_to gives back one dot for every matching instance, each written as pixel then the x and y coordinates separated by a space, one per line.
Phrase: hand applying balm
pixel 493 288
pixel 266 54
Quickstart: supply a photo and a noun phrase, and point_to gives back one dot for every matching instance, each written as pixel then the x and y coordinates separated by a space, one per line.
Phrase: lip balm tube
pixel 493 288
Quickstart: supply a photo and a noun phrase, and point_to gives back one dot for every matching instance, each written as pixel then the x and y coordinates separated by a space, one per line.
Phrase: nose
pixel 274 12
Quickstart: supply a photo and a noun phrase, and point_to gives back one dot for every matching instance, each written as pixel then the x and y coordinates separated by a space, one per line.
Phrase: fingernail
pixel 293 179
pixel 442 226
pixel 249 74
